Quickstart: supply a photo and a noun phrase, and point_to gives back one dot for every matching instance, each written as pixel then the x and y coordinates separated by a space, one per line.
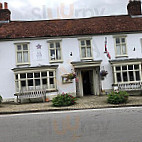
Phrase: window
pixel 22 53
pixel 127 73
pixel 120 46
pixel 55 51
pixel 36 80
pixel 85 49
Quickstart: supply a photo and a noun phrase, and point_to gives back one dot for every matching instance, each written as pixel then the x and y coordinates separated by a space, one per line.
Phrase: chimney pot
pixel 5 5
pixel 0 5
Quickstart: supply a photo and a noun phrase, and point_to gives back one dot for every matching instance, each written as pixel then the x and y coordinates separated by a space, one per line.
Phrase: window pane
pixel 57 45
pixel 19 47
pixel 51 74
pixel 51 45
pixel 25 54
pixel 89 52
pixel 130 67
pixel 44 81
pixel 123 40
pixel 30 82
pixel 23 75
pixel 137 76
pixel 124 67
pixel 23 83
pixel 29 75
pixel 16 76
pixel 118 50
pixel 83 42
pixel 118 77
pixel 37 82
pixel 118 68
pixel 19 57
pixel 136 67
pixel 88 43
pixel 131 76
pixel 44 74
pixel 125 78
pixel 25 47
pixel 58 55
pixel 52 54
pixel 37 75
pixel 51 80
pixel 83 52
pixel 124 49
pixel 117 40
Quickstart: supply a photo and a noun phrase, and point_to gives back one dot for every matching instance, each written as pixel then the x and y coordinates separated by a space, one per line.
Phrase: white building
pixel 38 55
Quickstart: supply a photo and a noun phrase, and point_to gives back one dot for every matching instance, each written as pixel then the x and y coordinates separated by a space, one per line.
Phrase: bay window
pixel 127 73
pixel 35 80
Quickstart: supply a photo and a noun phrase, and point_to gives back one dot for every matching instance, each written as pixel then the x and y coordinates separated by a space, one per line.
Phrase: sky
pixel 64 9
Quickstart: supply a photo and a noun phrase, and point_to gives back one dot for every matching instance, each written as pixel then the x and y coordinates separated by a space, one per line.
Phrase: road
pixel 102 125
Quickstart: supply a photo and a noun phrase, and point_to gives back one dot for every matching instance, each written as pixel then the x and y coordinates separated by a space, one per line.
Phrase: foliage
pixel 0 99
pixel 71 76
pixel 63 100
pixel 103 73
pixel 118 97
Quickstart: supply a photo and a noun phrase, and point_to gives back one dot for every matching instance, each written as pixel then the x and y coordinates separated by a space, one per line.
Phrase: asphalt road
pixel 103 125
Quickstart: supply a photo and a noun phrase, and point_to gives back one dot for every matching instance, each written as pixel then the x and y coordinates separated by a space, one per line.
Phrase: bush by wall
pixel 0 99
pixel 118 97
pixel 63 100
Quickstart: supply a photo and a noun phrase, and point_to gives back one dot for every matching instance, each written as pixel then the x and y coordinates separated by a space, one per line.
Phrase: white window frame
pixel 85 39
pixel 49 49
pixel 121 72
pixel 121 44
pixel 48 87
pixel 22 51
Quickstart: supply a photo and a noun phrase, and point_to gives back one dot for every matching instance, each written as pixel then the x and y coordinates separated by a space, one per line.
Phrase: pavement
pixel 88 102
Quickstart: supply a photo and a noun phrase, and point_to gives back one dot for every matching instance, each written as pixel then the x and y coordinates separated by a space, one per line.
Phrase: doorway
pixel 87 82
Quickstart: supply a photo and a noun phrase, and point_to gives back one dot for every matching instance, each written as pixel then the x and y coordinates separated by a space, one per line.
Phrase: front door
pixel 87 82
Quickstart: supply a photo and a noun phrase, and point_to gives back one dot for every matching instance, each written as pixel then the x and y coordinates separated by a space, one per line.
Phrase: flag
pixel 106 51
pixel 105 45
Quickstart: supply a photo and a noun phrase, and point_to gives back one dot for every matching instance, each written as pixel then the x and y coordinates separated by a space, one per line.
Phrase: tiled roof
pixel 70 27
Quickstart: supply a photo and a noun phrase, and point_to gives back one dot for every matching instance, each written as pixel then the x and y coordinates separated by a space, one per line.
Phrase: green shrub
pixel 0 99
pixel 118 97
pixel 63 100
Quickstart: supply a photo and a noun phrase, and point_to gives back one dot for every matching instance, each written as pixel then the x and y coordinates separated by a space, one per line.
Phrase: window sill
pixel 22 64
pixel 121 56
pixel 56 61
pixel 87 58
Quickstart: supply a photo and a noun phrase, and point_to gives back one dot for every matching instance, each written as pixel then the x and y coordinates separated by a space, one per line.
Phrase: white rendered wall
pixel 8 62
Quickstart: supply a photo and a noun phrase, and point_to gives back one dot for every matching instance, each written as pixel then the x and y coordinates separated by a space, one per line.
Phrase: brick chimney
pixel 134 7
pixel 4 13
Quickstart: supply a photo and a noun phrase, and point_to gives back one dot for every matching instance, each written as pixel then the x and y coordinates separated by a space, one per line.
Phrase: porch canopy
pixel 86 64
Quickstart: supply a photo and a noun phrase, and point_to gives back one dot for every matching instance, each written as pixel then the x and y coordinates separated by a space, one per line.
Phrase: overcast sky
pixel 57 9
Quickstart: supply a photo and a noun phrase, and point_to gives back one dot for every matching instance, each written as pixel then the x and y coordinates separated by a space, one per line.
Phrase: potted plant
pixel 71 76
pixel 103 74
